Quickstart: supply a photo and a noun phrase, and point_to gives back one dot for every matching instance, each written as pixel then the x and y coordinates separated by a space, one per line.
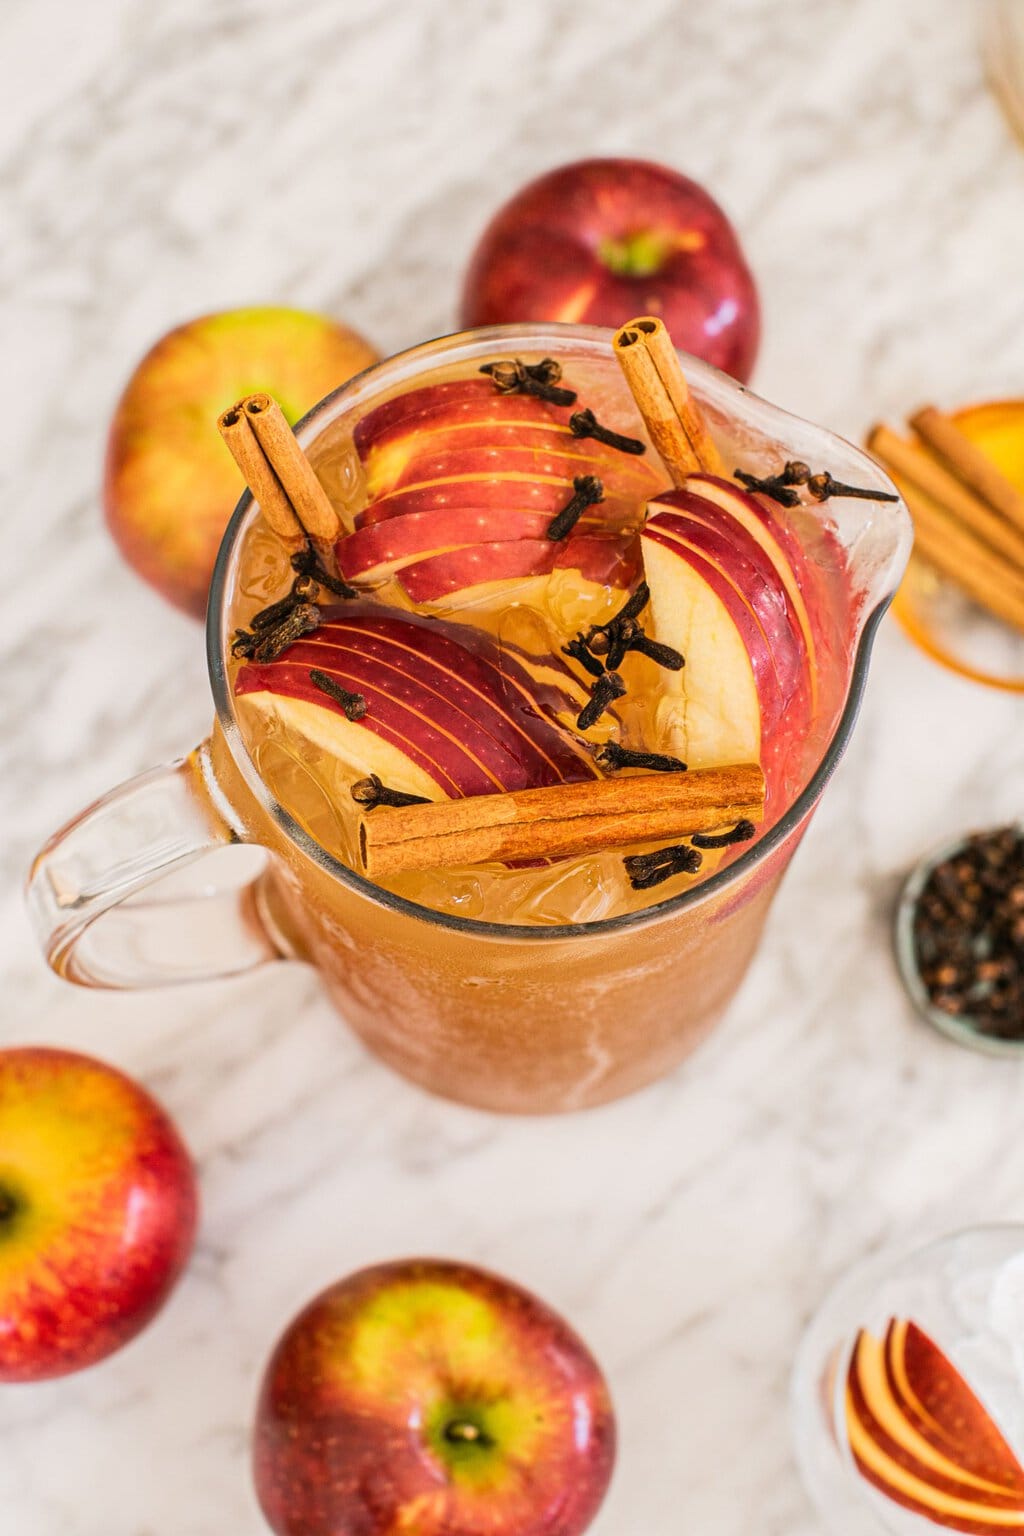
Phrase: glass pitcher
pixel 504 1017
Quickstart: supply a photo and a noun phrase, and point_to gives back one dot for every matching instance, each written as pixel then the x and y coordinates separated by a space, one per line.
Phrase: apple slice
pixel 932 1474
pixel 500 497
pixel 778 541
pixel 375 552
pixel 448 711
pixel 728 691
pixel 934 1396
pixel 604 559
pixel 742 563
pixel 482 461
pixel 456 400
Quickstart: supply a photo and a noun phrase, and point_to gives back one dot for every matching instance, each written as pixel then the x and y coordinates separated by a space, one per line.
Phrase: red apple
pixel 449 711
pixel 170 487
pixel 97 1211
pixel 600 241
pixel 951 1465
pixel 436 1399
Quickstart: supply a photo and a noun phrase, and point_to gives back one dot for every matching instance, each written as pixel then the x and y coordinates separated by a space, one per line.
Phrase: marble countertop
pixel 689 1232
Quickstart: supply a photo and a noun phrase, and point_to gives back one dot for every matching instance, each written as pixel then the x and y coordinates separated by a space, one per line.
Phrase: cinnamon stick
pixel 266 488
pixel 948 544
pixel 974 468
pixel 658 384
pixel 913 466
pixel 559 820
pixel 309 500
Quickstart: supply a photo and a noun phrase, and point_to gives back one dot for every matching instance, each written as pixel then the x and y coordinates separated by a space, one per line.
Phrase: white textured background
pixel 161 160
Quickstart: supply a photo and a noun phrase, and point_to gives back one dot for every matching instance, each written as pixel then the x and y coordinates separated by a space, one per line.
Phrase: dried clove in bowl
pixel 960 939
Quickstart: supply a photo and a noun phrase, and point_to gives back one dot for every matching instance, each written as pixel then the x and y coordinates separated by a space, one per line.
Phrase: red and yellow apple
pixel 725 594
pixel 920 1436
pixel 169 485
pixel 599 241
pixel 97 1211
pixel 432 1398
pixel 449 711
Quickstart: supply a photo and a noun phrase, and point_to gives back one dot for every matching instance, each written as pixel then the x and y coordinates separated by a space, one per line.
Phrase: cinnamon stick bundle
pixel 969 464
pixel 960 503
pixel 658 384
pixel 276 470
pixel 559 820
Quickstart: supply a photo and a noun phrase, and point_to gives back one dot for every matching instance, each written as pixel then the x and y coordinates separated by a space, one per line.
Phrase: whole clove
pixel 607 688
pixel 611 756
pixel 585 424
pixel 511 376
pixel 587 492
pixel 371 792
pixel 649 869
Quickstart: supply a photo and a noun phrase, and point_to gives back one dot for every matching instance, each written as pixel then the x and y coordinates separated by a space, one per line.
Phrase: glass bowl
pixel 959 1027
pixel 944 623
pixel 965 1291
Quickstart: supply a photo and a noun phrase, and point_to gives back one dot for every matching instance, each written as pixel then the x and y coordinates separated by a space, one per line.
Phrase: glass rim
pixel 757 853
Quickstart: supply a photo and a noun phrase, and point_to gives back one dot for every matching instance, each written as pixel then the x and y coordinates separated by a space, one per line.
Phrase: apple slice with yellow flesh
pixel 456 400
pixel 465 428
pixel 375 552
pixel 602 559
pixel 934 1396
pixel 726 545
pixel 778 541
pixel 500 498
pixel 448 712
pixel 727 693
pixel 486 460
pixel 916 1462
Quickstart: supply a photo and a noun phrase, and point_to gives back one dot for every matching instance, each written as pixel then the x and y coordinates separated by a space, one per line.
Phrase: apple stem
pixel 462 1432
pixel 8 1205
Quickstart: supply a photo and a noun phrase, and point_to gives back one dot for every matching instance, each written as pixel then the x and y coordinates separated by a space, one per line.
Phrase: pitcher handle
pixel 138 835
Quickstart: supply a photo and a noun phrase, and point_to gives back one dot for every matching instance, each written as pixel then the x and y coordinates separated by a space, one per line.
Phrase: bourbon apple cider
pixel 524 596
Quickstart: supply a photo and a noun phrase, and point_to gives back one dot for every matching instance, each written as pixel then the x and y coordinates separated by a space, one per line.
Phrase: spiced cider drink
pixel 530 666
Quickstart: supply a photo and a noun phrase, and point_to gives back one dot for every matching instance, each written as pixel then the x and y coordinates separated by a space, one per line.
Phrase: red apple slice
pixel 606 560
pixel 936 1399
pixel 500 495
pixel 778 541
pixel 728 692
pixel 743 565
pixel 483 462
pixel 455 400
pixel 926 1474
pixel 376 552
pixel 445 705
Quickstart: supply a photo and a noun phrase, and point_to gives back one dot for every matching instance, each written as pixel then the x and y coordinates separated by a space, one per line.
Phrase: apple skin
pixel 169 483
pixel 435 1398
pixel 944 1459
pixel 456 707
pixel 101 1206
pixel 599 241
pixel 605 560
